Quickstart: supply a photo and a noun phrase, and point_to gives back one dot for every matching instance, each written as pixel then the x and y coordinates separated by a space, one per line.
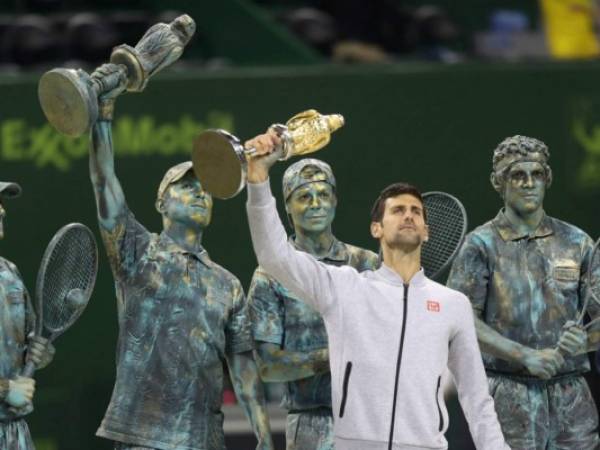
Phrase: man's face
pixel 403 223
pixel 524 187
pixel 2 214
pixel 187 203
pixel 312 207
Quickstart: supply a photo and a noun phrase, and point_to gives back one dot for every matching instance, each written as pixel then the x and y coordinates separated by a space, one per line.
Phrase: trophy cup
pixel 69 98
pixel 220 160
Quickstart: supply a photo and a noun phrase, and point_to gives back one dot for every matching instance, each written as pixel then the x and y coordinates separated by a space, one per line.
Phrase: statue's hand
pixel 111 80
pixel 20 392
pixel 573 340
pixel 542 363
pixel 40 351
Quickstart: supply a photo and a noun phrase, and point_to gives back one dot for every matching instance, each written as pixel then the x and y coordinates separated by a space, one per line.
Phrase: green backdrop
pixel 430 125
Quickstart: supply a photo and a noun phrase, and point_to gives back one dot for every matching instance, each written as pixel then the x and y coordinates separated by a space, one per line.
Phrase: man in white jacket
pixel 392 331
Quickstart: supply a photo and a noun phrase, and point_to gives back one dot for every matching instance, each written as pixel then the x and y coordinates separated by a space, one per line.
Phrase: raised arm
pixel 110 199
pixel 310 280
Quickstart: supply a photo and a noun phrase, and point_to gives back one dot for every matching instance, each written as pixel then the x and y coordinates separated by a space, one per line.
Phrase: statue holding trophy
pixel 69 98
pixel 220 159
pixel 168 389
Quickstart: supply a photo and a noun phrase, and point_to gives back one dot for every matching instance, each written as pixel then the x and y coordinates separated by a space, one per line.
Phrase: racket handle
pixel 28 370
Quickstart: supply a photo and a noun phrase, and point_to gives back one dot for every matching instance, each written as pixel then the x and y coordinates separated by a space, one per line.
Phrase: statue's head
pixel 520 172
pixel 7 190
pixel 181 198
pixel 185 27
pixel 309 193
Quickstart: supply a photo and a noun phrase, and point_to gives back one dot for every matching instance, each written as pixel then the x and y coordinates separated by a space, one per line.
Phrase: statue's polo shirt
pixel 179 315
pixel 16 321
pixel 280 318
pixel 525 287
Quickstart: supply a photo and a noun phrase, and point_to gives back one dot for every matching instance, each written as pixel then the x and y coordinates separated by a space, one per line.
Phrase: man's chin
pixel 406 243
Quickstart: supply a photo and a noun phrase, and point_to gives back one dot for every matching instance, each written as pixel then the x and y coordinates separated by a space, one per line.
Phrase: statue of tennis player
pixel 17 320
pixel 523 272
pixel 291 336
pixel 181 316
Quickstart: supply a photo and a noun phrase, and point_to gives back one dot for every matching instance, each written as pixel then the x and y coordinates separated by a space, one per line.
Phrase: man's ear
pixel 160 205
pixel 496 183
pixel 376 230
pixel 426 238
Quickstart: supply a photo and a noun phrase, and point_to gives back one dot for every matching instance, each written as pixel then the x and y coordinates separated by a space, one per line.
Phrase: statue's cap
pixel 307 170
pixel 174 174
pixel 9 189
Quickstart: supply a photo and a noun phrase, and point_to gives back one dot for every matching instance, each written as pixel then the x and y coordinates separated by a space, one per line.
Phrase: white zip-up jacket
pixel 389 343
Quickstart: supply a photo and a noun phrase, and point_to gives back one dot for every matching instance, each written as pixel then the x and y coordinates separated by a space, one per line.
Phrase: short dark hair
pixel 394 190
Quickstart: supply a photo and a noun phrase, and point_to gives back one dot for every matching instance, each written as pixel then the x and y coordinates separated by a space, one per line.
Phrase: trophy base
pixel 219 163
pixel 136 76
pixel 68 101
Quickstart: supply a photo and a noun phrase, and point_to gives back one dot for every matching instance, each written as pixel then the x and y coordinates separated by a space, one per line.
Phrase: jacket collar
pixel 389 275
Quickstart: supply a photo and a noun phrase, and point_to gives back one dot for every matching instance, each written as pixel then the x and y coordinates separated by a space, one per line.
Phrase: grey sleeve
pixel 465 363
pixel 307 278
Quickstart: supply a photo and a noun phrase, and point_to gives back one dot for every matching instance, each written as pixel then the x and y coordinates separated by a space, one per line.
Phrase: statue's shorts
pixel 557 414
pixel 14 435
pixel 309 430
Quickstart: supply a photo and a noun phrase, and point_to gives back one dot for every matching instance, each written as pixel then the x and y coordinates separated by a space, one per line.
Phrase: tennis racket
pixel 593 286
pixel 447 221
pixel 64 283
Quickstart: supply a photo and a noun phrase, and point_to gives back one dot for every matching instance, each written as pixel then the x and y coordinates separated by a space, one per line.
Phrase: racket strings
pixel 446 221
pixel 70 265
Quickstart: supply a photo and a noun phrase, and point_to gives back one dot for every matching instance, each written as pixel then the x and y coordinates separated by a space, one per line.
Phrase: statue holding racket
pixel 17 346
pixel 526 276
pixel 181 316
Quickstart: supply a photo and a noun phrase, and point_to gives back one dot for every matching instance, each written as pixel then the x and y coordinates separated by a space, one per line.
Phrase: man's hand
pixel 112 79
pixel 542 363
pixel 20 392
pixel 39 351
pixel 573 340
pixel 266 154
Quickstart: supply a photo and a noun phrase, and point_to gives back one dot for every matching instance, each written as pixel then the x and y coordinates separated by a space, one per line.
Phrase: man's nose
pixel 315 202
pixel 529 181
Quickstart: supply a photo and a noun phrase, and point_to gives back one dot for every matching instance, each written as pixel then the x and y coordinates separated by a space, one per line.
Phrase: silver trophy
pixel 69 98
pixel 220 160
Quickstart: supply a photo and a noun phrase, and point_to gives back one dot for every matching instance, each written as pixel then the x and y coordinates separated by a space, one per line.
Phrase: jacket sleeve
pixel 465 363
pixel 307 278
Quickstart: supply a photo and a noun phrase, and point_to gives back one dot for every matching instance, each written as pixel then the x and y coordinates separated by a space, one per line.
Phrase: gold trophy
pixel 220 159
pixel 69 98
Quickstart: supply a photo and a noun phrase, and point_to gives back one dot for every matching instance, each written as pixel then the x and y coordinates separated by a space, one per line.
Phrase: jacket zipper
pixel 405 305
pixel 345 388
pixel 437 402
